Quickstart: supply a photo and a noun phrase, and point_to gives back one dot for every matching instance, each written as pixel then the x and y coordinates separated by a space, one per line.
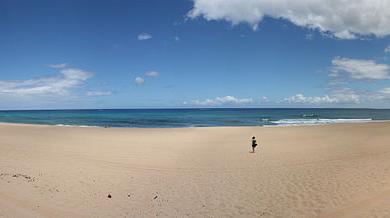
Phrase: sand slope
pixel 321 171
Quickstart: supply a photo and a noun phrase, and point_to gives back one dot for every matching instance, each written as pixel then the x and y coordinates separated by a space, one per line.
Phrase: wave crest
pixel 298 122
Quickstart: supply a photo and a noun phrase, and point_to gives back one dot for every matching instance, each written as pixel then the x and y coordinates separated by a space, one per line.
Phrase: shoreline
pixel 196 127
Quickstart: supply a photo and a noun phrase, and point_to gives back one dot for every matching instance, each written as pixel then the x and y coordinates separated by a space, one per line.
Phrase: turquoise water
pixel 153 118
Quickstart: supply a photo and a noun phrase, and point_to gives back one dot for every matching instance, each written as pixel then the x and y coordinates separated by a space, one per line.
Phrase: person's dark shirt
pixel 254 142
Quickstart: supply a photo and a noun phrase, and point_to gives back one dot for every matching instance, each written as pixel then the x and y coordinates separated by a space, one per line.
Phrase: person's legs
pixel 253 149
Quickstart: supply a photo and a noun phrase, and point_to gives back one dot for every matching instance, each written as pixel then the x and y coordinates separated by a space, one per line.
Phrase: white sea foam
pixel 299 122
pixel 64 125
pixel 81 126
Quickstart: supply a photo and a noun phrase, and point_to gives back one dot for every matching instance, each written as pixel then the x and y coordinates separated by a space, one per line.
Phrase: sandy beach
pixel 308 171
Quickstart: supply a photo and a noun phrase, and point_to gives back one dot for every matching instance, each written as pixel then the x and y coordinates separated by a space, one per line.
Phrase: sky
pixel 194 53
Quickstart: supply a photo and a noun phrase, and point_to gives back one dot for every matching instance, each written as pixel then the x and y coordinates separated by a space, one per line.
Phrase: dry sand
pixel 313 171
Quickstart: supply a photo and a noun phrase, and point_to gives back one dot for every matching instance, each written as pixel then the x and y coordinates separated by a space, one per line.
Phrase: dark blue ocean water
pixel 193 117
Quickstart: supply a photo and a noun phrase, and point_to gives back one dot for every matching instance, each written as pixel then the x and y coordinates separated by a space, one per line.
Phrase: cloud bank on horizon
pixel 221 101
pixel 354 69
pixel 344 19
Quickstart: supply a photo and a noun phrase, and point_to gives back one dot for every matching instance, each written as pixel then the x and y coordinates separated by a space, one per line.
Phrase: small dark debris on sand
pixel 109 196
pixel 155 197
pixel 28 178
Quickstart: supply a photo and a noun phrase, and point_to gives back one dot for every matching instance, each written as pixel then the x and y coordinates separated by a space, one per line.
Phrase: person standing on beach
pixel 254 144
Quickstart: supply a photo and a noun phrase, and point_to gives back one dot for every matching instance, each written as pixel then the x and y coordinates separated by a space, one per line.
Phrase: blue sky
pixel 214 53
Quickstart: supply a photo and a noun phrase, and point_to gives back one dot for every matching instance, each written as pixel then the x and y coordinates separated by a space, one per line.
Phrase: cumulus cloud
pixel 98 93
pixel 60 84
pixel 221 101
pixel 340 97
pixel 144 36
pixel 359 69
pixel 387 49
pixel 344 19
pixel 139 80
pixel 152 74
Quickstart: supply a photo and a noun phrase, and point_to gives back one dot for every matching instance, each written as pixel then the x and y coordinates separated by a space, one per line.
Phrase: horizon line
pixel 191 108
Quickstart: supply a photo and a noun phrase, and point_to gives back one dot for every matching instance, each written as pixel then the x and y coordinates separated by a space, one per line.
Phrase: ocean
pixel 177 118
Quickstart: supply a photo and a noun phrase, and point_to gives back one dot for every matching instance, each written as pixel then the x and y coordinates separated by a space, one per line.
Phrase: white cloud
pixel 345 34
pixel 386 91
pixel 340 97
pixel 264 99
pixel 345 19
pixel 144 36
pixel 346 96
pixel 60 84
pixel 139 80
pixel 379 96
pixel 302 99
pixel 58 66
pixel 360 69
pixel 387 49
pixel 152 74
pixel 221 101
pixel 309 36
pixel 98 93
pixel 383 94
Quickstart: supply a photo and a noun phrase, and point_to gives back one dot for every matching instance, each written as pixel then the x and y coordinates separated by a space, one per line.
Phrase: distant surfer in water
pixel 254 144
